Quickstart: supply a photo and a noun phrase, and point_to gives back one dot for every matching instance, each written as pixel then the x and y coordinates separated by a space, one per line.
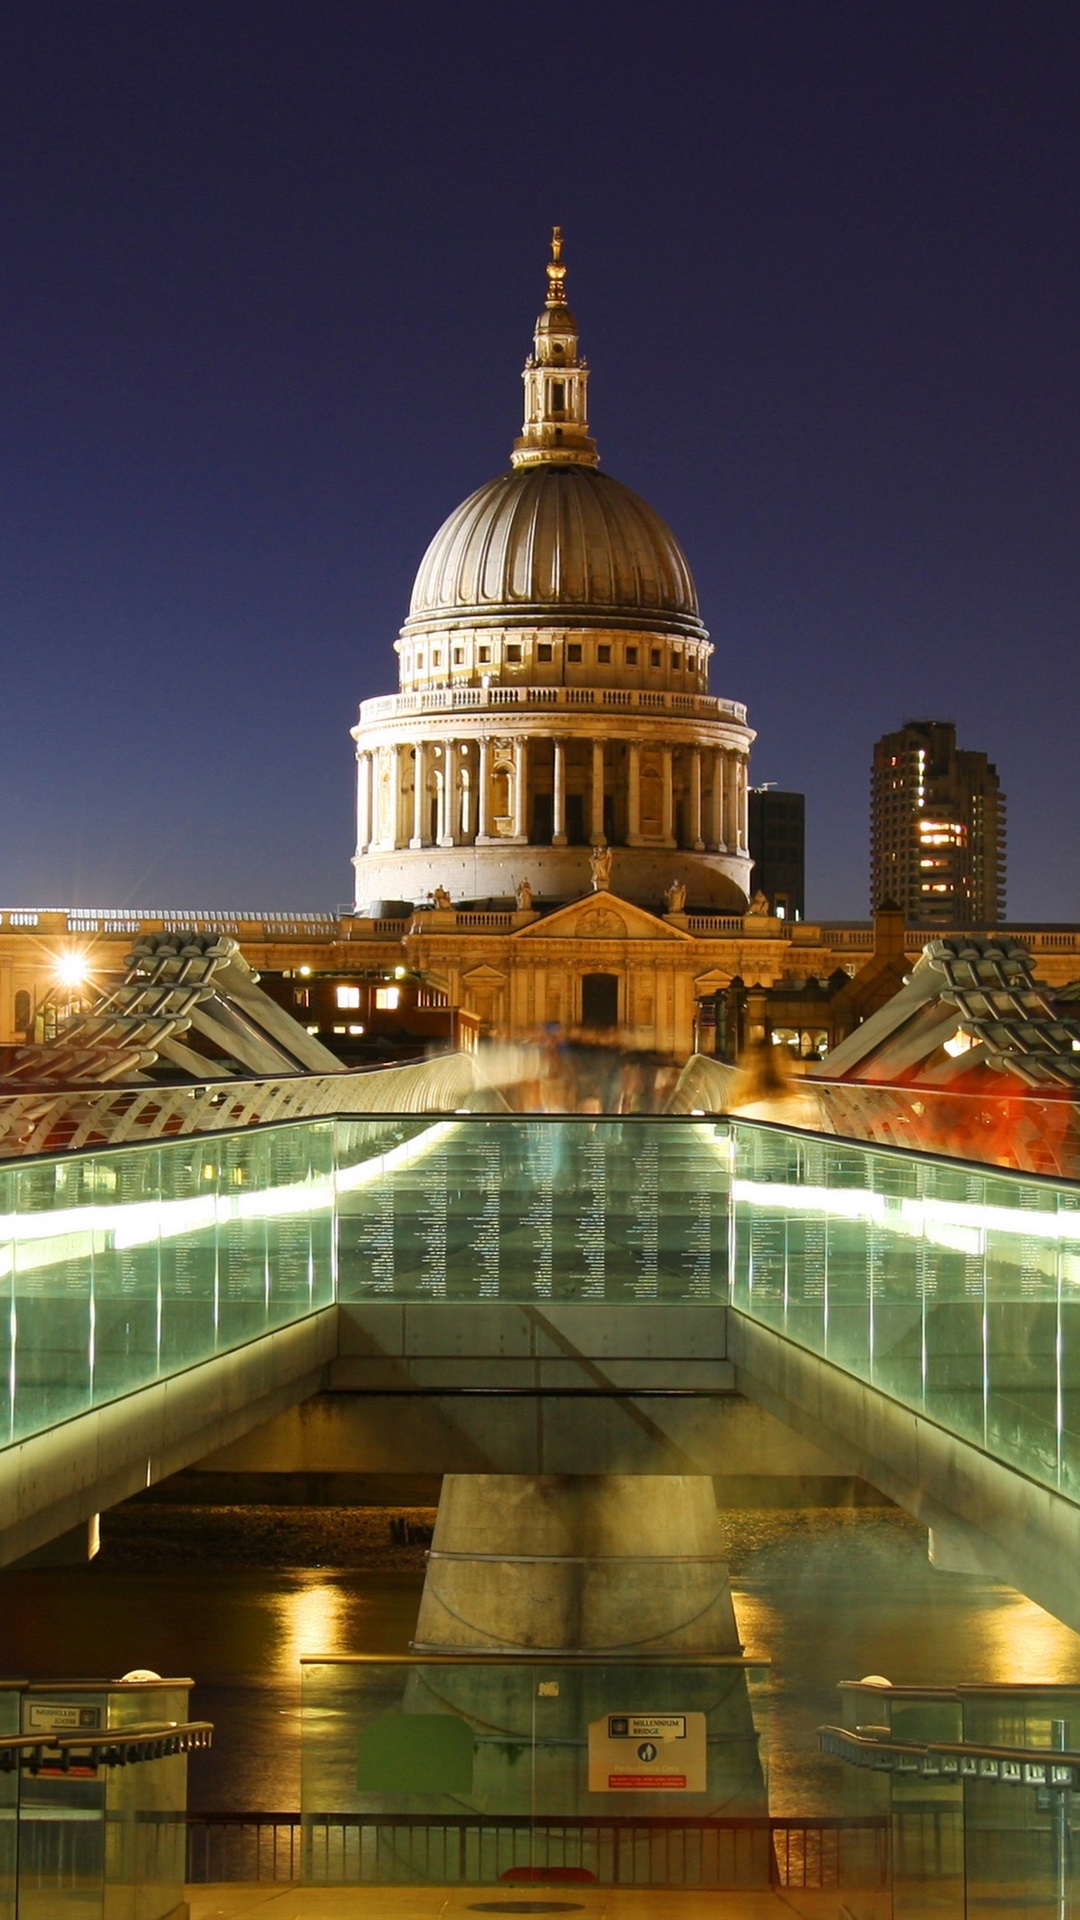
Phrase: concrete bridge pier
pixel 591 1564
pixel 622 1575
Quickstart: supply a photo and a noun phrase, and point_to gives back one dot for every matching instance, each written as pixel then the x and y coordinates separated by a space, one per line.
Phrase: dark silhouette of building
pixel 937 843
pixel 777 834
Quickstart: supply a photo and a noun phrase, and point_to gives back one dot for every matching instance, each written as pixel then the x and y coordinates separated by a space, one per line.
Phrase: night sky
pixel 269 273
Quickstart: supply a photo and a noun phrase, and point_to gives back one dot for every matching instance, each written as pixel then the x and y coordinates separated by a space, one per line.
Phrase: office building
pixel 937 846
pixel 777 834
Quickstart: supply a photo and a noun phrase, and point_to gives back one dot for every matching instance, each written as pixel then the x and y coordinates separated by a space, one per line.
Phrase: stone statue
pixel 523 894
pixel 675 897
pixel 600 863
pixel 441 899
pixel 759 905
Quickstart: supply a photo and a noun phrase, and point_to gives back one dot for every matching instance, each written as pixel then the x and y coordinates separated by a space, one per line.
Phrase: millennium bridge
pixel 374 1273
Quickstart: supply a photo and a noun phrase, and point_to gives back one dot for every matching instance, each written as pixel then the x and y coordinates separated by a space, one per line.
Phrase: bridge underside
pixel 983 1515
pixel 383 1391
pixel 52 1483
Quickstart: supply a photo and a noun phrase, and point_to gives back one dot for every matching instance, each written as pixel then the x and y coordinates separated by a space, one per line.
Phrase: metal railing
pixel 814 1853
pixel 243 1847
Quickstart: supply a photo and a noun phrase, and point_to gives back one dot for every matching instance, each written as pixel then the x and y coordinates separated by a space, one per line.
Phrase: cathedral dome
pixel 553 541
pixel 553 735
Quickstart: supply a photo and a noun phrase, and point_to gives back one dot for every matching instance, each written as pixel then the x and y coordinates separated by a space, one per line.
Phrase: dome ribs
pixel 618 550
pixel 489 537
pixel 520 561
pixel 566 539
pixel 567 580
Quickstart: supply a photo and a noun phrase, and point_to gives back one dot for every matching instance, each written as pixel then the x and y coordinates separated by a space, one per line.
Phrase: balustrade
pixel 392 706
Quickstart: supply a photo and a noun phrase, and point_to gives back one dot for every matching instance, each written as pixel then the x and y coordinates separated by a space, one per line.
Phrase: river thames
pixel 235 1596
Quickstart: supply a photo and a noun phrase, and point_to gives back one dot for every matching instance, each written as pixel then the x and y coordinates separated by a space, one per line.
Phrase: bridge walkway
pixel 288 1902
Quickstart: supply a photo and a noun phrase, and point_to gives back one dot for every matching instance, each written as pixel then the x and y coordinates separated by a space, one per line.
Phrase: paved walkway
pixel 285 1901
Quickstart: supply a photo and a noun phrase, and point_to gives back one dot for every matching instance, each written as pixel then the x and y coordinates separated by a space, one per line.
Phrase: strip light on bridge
pixel 37 1240
pixel 960 1225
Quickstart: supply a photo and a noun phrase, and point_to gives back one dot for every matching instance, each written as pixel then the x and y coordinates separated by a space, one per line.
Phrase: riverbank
pixel 144 1534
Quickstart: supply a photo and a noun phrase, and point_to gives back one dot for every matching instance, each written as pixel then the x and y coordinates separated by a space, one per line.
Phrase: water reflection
pixel 238 1631
pixel 830 1595
pixel 824 1594
pixel 312 1618
pixel 1022 1643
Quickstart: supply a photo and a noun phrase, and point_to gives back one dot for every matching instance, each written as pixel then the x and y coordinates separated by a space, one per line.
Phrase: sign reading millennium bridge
pixel 648 1753
pixel 515 1209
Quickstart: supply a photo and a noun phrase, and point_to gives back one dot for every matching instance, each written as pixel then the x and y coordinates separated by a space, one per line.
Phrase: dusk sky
pixel 270 270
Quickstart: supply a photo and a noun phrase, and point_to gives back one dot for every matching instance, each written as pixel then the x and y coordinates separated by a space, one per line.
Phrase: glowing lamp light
pixel 961 1042
pixel 71 969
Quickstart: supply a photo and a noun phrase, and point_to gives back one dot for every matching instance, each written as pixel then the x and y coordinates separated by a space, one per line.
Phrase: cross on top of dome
pixel 556 272
pixel 556 427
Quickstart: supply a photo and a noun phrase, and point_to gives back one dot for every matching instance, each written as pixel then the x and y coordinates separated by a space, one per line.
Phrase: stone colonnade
pixel 555 790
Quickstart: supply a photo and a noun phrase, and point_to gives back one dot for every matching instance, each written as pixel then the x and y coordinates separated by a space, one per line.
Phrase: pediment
pixel 601 916
pixel 484 976
pixel 715 981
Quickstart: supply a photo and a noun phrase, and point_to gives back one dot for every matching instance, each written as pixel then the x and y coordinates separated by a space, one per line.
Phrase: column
pixel 716 831
pixel 467 821
pixel 521 774
pixel 597 836
pixel 558 795
pixel 696 840
pixel 419 789
pixel 731 817
pixel 633 795
pixel 397 794
pixel 363 802
pixel 447 793
pixel 743 803
pixel 483 780
pixel 669 797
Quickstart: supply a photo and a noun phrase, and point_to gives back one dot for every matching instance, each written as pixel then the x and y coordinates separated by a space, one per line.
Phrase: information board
pixel 648 1753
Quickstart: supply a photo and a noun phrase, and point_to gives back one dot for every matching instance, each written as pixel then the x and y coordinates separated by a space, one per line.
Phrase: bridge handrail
pixel 113 1747
pixel 1020 1766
